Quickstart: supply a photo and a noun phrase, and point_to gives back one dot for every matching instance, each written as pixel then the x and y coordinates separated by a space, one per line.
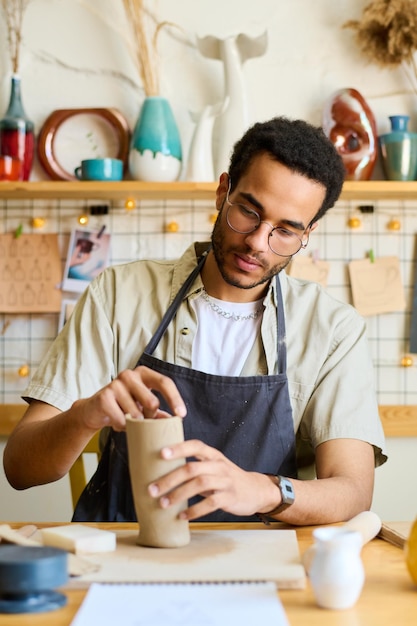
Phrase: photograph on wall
pixel 88 255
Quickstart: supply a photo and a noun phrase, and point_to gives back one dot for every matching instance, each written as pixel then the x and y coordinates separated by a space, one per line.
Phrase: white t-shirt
pixel 235 326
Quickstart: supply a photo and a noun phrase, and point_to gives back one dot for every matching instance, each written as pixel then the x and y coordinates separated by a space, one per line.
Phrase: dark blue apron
pixel 248 418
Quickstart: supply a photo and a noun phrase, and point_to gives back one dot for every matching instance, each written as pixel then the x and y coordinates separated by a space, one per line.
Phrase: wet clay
pixel 158 528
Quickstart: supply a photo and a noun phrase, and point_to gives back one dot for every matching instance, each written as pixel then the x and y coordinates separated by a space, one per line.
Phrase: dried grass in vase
pixel 14 11
pixel 143 45
pixel 387 35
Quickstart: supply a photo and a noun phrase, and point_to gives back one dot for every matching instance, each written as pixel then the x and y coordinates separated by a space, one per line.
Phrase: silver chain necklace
pixel 230 315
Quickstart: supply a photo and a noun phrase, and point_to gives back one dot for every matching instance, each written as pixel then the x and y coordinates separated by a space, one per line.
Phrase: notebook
pixel 395 532
pixel 245 604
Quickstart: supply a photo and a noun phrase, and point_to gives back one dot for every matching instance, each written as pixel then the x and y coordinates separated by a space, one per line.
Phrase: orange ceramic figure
pixel 350 125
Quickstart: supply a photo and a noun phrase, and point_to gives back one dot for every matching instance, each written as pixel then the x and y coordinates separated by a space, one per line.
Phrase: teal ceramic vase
pixel 399 150
pixel 155 150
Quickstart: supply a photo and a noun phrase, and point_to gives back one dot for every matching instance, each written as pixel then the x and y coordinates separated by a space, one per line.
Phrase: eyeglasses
pixel 282 241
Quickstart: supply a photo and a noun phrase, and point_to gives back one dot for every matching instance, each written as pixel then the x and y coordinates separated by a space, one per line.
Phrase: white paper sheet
pixel 245 604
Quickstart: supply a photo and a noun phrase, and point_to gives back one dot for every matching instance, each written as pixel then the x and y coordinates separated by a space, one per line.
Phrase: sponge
pixel 78 538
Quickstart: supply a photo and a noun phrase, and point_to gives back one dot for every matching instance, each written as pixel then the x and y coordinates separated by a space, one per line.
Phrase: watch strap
pixel 287 498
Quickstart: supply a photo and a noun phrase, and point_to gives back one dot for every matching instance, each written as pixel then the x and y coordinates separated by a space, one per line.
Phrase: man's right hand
pixel 46 442
pixel 130 392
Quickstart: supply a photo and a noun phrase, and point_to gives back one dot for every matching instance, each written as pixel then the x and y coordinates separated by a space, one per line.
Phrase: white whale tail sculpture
pixel 234 121
pixel 200 165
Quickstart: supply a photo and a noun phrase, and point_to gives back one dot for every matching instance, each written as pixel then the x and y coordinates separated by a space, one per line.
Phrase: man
pixel 206 337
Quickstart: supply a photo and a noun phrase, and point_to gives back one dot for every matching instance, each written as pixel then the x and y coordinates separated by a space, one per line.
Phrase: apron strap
pixel 281 342
pixel 172 309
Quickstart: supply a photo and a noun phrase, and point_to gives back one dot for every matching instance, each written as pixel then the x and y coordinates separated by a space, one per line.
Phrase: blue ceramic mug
pixel 100 169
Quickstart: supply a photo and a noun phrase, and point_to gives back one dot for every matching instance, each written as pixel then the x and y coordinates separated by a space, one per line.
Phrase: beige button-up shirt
pixel 329 368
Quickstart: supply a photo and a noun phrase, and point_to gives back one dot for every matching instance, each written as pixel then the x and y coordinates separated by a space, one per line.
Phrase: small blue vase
pixel 155 149
pixel 399 150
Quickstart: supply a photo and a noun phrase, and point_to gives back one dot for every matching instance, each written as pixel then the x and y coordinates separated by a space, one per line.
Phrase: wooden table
pixel 389 596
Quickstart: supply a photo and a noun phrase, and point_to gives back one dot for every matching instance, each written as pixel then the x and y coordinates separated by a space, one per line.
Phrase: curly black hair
pixel 298 145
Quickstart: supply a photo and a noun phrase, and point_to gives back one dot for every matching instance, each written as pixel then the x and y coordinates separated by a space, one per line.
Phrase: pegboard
pixel 163 229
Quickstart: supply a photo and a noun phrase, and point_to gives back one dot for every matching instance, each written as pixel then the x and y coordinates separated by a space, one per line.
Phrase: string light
pixel 130 204
pixel 38 222
pixel 15 364
pixel 407 361
pixel 354 222
pixel 83 219
pixel 213 218
pixel 24 370
pixel 394 224
pixel 172 227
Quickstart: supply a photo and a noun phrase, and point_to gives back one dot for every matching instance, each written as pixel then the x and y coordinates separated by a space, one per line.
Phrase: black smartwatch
pixel 287 495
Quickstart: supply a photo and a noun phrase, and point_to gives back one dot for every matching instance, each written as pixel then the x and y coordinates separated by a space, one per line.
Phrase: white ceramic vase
pixel 232 52
pixel 200 166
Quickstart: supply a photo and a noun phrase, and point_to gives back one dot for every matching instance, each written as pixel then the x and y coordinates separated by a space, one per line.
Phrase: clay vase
pixel 158 528
pixel 351 127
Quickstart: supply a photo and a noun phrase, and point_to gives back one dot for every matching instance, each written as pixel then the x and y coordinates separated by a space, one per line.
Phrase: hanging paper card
pixel 30 273
pixel 376 285
pixel 309 268
pixel 88 255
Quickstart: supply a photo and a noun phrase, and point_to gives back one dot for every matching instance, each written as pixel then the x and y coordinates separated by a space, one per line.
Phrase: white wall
pixel 69 52
pixel 395 495
pixel 46 503
pixel 51 503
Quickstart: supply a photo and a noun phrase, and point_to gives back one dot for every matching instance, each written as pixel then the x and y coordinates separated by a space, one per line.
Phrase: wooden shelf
pixel 107 191
pixel 379 190
pixel 365 190
pixel 399 420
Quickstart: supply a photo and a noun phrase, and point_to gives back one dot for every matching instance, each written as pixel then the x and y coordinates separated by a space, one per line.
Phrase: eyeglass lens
pixel 243 220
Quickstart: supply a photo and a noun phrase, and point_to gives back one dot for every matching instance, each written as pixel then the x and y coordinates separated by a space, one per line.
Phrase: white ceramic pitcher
pixel 337 574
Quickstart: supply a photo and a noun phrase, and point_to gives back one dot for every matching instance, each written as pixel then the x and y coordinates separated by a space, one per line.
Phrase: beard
pixel 218 247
